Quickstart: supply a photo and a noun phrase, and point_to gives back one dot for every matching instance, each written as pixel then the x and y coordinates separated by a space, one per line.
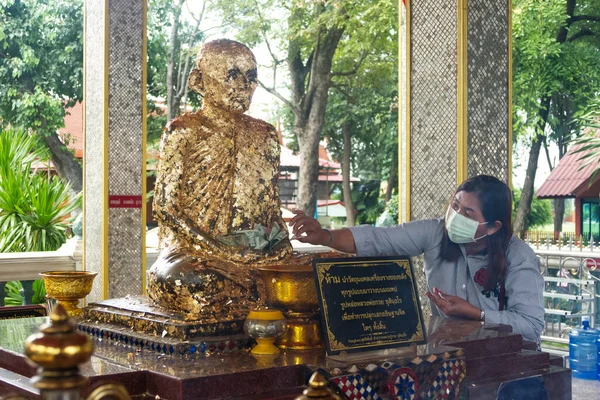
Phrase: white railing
pixel 27 266
pixel 571 270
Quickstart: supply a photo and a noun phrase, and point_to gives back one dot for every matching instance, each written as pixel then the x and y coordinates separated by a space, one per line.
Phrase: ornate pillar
pixel 456 101
pixel 455 95
pixel 114 147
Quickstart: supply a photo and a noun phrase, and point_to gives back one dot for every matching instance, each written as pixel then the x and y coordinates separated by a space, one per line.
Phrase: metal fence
pixel 569 265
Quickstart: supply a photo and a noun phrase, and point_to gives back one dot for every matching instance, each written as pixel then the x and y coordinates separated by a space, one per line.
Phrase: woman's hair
pixel 495 199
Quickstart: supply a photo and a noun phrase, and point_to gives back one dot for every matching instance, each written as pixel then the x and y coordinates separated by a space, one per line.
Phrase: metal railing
pixel 569 265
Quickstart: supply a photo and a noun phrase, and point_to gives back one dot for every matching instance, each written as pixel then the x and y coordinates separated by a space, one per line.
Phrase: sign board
pixel 368 303
pixel 22 312
pixel 125 201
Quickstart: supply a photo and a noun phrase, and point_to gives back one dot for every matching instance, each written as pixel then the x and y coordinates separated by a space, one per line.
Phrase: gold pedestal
pixel 303 333
pixel 291 287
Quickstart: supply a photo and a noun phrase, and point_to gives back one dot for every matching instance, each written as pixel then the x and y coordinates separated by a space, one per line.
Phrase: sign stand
pixel 396 352
pixel 369 307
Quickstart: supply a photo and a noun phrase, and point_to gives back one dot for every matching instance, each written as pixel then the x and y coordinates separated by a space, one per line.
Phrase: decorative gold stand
pixel 67 287
pixel 291 287
pixel 303 333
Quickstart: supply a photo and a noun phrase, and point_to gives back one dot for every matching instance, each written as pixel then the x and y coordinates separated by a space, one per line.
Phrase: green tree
pixel 41 66
pixel 590 142
pixel 173 42
pixel 34 207
pixel 361 129
pixel 319 41
pixel 541 211
pixel 556 74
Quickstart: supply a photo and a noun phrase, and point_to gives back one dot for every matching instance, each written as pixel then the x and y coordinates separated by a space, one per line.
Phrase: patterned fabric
pixel 405 385
pixel 354 387
pixel 376 378
pixel 447 382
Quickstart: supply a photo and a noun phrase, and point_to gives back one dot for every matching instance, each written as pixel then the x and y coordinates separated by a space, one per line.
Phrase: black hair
pixel 495 199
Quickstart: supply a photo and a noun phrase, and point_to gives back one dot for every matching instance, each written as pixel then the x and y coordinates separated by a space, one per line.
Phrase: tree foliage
pixel 314 43
pixel 541 210
pixel 589 143
pixel 41 67
pixel 555 59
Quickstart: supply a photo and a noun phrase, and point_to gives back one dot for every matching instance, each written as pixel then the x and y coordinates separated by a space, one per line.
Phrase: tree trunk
pixel 346 175
pixel 306 199
pixel 520 224
pixel 393 178
pixel 171 76
pixel 559 213
pixel 66 165
pixel 309 102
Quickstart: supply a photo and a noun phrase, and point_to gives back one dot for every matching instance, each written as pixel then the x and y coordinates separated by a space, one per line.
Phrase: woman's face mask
pixel 460 228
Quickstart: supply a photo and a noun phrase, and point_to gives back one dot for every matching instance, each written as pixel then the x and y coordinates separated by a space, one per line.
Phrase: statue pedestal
pixel 460 358
pixel 137 322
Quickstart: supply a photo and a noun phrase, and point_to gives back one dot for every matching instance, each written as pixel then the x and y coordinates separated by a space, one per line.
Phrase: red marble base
pixel 492 356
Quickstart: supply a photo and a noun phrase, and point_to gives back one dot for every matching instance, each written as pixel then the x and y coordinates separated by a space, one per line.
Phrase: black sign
pixel 368 303
pixel 22 312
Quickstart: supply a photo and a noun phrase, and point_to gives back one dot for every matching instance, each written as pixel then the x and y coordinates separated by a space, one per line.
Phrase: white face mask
pixel 460 228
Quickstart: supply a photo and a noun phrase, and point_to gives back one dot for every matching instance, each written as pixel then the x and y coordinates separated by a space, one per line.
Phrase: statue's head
pixel 225 74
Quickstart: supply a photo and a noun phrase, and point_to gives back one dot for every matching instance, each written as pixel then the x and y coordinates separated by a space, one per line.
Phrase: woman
pixel 475 267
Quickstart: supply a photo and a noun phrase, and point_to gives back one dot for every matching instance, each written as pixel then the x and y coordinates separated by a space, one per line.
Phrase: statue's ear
pixel 195 80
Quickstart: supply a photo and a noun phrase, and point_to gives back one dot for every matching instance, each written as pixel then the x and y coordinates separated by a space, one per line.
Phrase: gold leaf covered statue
pixel 217 182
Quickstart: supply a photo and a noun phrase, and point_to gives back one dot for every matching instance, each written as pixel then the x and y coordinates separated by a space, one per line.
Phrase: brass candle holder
pixel 291 287
pixel 68 287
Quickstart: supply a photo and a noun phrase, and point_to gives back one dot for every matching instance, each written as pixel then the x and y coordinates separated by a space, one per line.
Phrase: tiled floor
pixel 586 389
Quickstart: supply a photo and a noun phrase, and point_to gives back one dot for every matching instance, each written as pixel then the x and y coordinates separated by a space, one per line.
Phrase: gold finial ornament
pixel 318 388
pixel 58 349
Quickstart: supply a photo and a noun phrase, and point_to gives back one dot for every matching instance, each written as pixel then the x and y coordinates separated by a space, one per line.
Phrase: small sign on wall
pixel 125 202
pixel 368 303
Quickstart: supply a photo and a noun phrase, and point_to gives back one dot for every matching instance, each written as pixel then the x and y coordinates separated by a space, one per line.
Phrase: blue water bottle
pixel 598 357
pixel 582 350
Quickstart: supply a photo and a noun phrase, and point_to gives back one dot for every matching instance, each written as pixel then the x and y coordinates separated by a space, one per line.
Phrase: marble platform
pixel 477 359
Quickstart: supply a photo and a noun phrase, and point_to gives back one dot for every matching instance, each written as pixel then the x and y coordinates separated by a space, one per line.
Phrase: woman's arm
pixel 411 239
pixel 339 239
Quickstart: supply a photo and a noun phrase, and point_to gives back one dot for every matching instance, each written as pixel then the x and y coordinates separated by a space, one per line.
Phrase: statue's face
pixel 229 78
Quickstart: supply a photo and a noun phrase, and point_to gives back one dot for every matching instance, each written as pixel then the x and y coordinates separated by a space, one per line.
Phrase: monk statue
pixel 216 187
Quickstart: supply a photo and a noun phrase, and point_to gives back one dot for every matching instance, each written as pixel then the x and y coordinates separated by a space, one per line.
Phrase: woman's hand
pixel 453 305
pixel 314 234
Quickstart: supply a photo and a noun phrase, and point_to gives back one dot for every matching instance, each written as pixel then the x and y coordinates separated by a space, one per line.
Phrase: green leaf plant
pixel 35 206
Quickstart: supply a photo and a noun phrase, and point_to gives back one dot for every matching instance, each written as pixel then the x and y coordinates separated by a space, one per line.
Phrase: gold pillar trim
pixel 144 136
pixel 406 90
pixel 399 131
pixel 462 89
pixel 83 106
pixel 510 93
pixel 105 270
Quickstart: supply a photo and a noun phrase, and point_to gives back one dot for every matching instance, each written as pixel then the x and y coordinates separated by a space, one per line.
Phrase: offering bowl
pixel 67 287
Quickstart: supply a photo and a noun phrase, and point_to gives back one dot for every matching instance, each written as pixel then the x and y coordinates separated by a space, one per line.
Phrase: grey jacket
pixel 524 283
